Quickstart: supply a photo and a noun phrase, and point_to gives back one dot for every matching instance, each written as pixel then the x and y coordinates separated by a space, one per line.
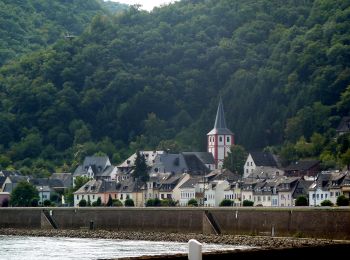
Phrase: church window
pixel 220 138
pixel 228 139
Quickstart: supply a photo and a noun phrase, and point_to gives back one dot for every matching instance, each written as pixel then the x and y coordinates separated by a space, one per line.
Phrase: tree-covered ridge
pixel 114 7
pixel 153 79
pixel 29 25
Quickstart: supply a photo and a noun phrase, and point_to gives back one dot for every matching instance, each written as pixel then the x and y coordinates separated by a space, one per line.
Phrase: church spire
pixel 220 122
pixel 220 116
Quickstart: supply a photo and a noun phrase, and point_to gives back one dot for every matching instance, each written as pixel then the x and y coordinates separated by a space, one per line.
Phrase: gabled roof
pixel 10 173
pixel 53 183
pixel 302 165
pixel 225 174
pixel 220 122
pixel 169 163
pixel 194 165
pixel 205 157
pixel 190 183
pixel 100 162
pixel 65 177
pixel 263 159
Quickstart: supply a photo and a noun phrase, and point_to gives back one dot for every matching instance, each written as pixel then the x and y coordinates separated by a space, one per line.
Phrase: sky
pixel 146 4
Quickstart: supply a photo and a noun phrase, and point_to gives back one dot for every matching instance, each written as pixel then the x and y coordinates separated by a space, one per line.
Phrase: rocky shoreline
pixel 254 241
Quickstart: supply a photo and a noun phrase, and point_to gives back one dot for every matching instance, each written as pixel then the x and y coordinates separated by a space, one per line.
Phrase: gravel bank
pixel 255 241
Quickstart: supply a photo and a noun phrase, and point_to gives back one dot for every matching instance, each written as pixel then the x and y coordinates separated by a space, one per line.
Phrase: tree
pixel 226 203
pixel 117 203
pixel 168 203
pixel 141 168
pixel 80 181
pixel 98 202
pixel 248 203
pixel 235 159
pixel 342 201
pixel 47 203
pixel 192 203
pixel 301 201
pixel 326 203
pixel 346 159
pixel 23 194
pixel 82 203
pixel 110 201
pixel 129 203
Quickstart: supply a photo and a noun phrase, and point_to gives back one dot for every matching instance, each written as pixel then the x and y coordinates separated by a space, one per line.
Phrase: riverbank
pixel 254 241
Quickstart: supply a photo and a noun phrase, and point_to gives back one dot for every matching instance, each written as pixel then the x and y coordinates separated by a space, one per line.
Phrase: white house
pixel 215 193
pixel 188 191
pixel 256 159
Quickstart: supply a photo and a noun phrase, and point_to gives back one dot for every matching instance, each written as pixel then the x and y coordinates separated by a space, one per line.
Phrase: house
pixel 130 189
pixel 234 192
pixel 344 126
pixel 215 193
pixel 302 189
pixel 225 174
pixel 4 174
pixel 303 168
pixel 168 163
pixel 188 190
pixel 262 193
pixel 286 189
pixel 169 186
pixel 248 189
pixel 334 186
pixel 94 189
pixel 96 167
pixel 345 185
pixel 318 190
pixel 65 178
pixel 256 159
pixel 11 182
pixel 53 185
pixel 220 138
pixel 126 166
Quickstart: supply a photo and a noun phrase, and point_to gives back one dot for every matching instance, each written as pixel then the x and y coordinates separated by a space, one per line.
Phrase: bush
pixel 192 203
pixel 47 203
pixel 342 201
pixel 82 203
pixel 248 203
pixel 168 203
pixel 226 203
pixel 129 203
pixel 153 203
pixel 326 203
pixel 301 201
pixel 117 203
pixel 34 202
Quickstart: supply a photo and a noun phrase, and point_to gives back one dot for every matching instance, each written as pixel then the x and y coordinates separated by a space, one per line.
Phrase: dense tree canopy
pixel 24 194
pixel 140 80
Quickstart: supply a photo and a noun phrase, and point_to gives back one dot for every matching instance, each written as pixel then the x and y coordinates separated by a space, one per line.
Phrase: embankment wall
pixel 331 223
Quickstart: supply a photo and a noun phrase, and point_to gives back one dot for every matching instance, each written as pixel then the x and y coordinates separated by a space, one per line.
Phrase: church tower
pixel 220 138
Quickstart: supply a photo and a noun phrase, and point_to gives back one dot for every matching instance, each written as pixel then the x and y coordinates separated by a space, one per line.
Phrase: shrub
pixel 47 203
pixel 192 203
pixel 150 203
pixel 342 201
pixel 129 203
pixel 34 202
pixel 117 203
pixel 168 203
pixel 157 202
pixel 248 203
pixel 110 201
pixel 326 203
pixel 226 203
pixel 301 201
pixel 82 203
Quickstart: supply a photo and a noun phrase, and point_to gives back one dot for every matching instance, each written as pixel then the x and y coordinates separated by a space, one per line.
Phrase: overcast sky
pixel 146 4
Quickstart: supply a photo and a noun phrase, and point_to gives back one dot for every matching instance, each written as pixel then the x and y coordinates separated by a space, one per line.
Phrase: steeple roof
pixel 220 122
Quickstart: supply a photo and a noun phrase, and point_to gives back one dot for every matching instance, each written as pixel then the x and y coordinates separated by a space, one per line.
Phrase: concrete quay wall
pixel 331 223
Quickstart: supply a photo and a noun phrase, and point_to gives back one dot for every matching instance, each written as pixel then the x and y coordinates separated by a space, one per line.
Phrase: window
pixel 115 196
pixel 247 163
pixel 326 196
pixel 162 196
pixel 121 196
pixel 313 196
pixel 77 197
pixel 220 138
pixel 228 139
pixel 331 193
pixel 247 171
pixel 321 196
pixel 251 163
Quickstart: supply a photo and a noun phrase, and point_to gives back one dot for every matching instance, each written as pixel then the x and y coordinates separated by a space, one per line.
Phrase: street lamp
pixel 41 197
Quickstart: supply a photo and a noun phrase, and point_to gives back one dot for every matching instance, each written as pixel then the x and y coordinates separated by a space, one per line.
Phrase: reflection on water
pixel 15 247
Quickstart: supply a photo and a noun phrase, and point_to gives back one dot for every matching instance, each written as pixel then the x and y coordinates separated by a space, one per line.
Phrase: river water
pixel 57 248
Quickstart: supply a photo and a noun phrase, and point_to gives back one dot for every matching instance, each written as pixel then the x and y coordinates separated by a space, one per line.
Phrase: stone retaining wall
pixel 332 223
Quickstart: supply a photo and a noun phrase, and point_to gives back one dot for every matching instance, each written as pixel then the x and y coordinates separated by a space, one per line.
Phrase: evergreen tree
pixel 141 169
pixel 24 194
pixel 110 201
pixel 235 159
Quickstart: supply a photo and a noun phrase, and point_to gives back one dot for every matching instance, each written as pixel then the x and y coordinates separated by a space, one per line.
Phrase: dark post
pixel 91 225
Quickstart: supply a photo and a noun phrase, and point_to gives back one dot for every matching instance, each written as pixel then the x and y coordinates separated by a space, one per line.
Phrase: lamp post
pixel 41 193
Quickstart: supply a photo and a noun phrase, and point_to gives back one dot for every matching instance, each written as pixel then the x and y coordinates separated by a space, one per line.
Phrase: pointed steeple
pixel 220 122
pixel 220 116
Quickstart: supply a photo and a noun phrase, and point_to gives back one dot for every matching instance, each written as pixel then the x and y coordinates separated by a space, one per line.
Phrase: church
pixel 220 138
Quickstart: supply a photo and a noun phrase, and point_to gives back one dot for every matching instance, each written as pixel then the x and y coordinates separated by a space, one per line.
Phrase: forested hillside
pixel 144 80
pixel 31 24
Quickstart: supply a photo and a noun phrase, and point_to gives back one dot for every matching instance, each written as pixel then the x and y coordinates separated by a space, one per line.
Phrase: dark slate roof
pixel 302 188
pixel 302 165
pixel 106 172
pixel 52 183
pixel 65 177
pixel 98 161
pixel 190 183
pixel 2 180
pixel 10 173
pixel 205 157
pixel 220 122
pixel 194 165
pixel 263 159
pixel 16 179
pixel 225 174
pixel 167 162
pixel 344 125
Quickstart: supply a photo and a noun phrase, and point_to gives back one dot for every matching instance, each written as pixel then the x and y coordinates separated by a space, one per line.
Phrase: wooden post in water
pixel 194 250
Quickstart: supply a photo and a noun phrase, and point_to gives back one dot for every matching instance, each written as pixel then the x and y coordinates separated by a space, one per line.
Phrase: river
pixel 58 248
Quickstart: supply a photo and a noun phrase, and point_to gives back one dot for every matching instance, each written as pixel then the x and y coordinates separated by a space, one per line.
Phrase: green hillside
pixel 29 25
pixel 134 80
